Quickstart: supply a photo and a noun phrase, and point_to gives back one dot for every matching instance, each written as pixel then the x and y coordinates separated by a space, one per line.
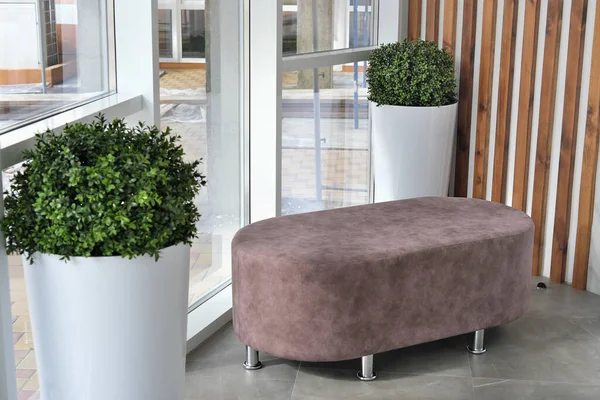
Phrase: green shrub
pixel 411 73
pixel 102 189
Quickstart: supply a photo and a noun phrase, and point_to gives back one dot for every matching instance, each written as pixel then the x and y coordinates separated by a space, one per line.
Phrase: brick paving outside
pixel 344 165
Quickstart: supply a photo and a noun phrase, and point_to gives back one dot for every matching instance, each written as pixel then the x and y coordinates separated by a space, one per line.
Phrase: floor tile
pixel 551 353
pixel 20 355
pixel 490 389
pixel 28 395
pixel 592 325
pixel 233 388
pixel 441 358
pixel 29 362
pixel 447 357
pixel 331 384
pixel 540 349
pixel 24 373
pixel 564 301
pixel 223 354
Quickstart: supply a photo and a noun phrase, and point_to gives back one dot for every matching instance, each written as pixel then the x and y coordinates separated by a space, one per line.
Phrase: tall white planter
pixel 108 327
pixel 412 150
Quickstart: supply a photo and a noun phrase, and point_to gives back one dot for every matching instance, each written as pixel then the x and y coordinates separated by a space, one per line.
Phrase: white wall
pixel 18 33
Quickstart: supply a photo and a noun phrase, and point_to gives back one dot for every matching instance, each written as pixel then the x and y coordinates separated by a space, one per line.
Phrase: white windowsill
pixel 211 316
pixel 117 105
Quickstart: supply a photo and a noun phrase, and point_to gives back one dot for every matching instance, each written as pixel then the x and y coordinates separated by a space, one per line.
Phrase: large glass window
pixel 332 25
pixel 53 65
pixel 325 139
pixel 201 103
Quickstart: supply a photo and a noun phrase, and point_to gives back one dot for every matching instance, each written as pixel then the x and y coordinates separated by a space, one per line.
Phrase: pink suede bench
pixel 353 282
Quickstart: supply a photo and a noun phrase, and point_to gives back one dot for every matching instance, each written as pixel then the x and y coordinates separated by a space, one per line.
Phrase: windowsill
pixel 117 105
pixel 207 319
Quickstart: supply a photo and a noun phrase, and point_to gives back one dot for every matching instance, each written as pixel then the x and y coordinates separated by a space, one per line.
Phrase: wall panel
pixel 488 33
pixel 589 165
pixel 519 117
pixel 465 95
pixel 505 86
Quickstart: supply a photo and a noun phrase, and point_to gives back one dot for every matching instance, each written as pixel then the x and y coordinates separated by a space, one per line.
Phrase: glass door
pixel 325 135
pixel 201 91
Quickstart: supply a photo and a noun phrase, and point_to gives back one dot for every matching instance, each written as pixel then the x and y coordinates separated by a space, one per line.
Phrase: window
pixel 193 34
pixel 330 27
pixel 58 64
pixel 201 103
pixel 325 140
pixel 165 33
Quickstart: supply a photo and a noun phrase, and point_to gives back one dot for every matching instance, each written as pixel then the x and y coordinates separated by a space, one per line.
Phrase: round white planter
pixel 108 327
pixel 412 150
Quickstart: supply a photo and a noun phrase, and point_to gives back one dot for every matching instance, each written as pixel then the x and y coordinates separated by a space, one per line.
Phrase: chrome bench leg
pixel 252 362
pixel 366 374
pixel 478 347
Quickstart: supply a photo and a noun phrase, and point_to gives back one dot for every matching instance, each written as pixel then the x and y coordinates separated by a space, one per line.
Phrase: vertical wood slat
pixel 567 147
pixel 485 97
pixel 507 60
pixel 467 61
pixel 449 34
pixel 414 19
pixel 590 162
pixel 432 20
pixel 549 76
pixel 528 66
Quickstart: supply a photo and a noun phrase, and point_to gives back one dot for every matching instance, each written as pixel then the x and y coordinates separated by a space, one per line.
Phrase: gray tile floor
pixel 551 353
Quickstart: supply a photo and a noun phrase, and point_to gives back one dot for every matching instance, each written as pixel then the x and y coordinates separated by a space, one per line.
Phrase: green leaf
pixel 103 189
pixel 411 73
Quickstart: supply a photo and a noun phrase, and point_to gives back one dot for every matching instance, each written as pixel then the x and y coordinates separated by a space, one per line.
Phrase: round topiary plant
pixel 103 189
pixel 411 73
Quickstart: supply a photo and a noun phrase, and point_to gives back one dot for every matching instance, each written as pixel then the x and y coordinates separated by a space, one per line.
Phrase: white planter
pixel 108 327
pixel 412 150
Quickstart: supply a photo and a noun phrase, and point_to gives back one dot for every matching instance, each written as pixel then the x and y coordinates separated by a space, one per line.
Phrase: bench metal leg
pixel 252 362
pixel 367 374
pixel 478 347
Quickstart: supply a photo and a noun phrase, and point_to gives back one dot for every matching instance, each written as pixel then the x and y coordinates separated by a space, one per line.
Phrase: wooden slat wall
pixel 482 140
pixel 467 67
pixel 590 161
pixel 567 150
pixel 507 61
pixel 433 21
pixel 544 131
pixel 449 34
pixel 414 19
pixel 525 110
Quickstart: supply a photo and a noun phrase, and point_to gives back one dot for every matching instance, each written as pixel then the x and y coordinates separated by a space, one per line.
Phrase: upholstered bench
pixel 352 282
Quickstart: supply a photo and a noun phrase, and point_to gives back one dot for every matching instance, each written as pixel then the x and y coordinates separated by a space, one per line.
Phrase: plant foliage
pixel 103 189
pixel 411 73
